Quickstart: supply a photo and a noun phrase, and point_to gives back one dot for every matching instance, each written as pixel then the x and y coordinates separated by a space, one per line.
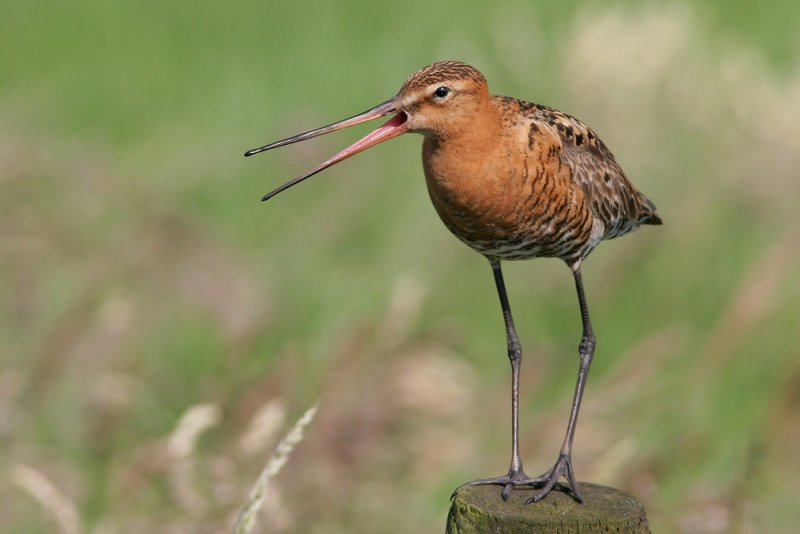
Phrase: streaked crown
pixel 442 71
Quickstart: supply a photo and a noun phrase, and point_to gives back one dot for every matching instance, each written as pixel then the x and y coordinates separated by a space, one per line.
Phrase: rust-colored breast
pixel 542 185
pixel 511 198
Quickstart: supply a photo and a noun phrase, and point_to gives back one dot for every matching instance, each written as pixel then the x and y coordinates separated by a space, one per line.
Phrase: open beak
pixel 394 127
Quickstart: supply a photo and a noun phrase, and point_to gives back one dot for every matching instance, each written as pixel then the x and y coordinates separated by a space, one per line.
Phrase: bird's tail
pixel 648 213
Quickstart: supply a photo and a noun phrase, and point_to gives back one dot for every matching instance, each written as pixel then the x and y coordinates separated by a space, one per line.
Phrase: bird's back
pixel 612 198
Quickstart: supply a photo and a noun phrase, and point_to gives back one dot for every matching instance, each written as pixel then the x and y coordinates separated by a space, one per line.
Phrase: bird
pixel 513 180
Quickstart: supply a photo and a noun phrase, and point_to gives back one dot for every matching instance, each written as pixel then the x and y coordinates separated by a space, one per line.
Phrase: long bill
pixel 394 127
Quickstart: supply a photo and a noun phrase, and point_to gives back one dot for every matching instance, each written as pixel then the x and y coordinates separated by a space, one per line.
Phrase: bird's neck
pixel 468 139
pixel 462 173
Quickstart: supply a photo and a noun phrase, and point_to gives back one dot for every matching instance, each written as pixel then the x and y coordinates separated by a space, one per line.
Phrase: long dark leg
pixel 515 357
pixel 563 465
pixel 516 476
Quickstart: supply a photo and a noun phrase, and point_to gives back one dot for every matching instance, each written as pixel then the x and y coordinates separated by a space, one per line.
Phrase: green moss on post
pixel 480 510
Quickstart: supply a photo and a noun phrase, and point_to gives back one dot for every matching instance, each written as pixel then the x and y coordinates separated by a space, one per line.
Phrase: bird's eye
pixel 442 92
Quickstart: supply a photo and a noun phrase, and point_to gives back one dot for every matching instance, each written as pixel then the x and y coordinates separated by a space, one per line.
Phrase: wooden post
pixel 480 510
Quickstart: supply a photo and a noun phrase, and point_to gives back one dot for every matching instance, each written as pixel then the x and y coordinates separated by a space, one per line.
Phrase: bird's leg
pixel 563 465
pixel 515 476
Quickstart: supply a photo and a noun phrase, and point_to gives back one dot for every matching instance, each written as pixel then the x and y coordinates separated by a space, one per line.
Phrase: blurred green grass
pixel 139 274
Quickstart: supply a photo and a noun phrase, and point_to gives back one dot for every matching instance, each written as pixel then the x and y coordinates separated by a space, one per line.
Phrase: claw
pixel 546 481
pixel 509 482
pixel 563 467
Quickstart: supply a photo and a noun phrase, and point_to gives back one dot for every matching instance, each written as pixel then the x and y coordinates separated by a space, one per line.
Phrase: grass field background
pixel 141 280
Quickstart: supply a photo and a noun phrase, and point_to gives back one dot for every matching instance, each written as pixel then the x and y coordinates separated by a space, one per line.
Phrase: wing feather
pixel 611 196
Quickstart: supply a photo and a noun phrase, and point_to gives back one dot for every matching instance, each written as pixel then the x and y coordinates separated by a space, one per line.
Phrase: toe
pixel 563 467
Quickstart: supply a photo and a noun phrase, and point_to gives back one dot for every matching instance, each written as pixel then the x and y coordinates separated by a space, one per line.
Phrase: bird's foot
pixel 549 479
pixel 509 482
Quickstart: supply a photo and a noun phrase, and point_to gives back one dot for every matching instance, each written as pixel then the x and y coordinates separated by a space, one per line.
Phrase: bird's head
pixel 438 100
pixel 442 98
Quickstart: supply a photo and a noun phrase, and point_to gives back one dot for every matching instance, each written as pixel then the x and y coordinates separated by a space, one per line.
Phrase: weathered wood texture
pixel 481 510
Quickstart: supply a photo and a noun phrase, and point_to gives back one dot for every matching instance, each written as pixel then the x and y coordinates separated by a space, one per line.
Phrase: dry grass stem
pixel 180 445
pixel 194 422
pixel 44 491
pixel 265 423
pixel 247 517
